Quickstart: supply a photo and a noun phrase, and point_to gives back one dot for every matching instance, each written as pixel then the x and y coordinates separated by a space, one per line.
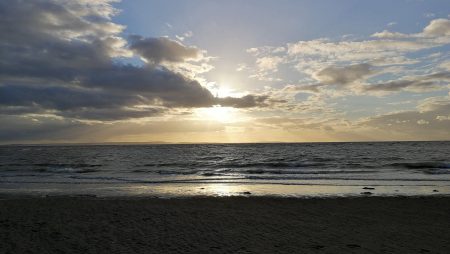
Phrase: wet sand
pixel 224 225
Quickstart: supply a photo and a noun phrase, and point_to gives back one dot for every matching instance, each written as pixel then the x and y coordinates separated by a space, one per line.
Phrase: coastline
pixel 88 224
pixel 225 189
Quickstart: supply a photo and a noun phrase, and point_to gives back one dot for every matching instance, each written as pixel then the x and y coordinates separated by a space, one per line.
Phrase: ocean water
pixel 297 169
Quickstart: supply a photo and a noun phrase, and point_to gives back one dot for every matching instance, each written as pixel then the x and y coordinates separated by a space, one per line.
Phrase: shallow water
pixel 300 169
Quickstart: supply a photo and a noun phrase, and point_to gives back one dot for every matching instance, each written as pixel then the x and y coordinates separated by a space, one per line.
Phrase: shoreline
pixel 21 196
pixel 226 189
pixel 90 224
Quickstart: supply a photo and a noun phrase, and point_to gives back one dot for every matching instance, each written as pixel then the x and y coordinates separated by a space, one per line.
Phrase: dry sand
pixel 225 225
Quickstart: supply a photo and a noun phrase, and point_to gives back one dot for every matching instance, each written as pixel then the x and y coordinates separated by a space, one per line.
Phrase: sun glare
pixel 217 113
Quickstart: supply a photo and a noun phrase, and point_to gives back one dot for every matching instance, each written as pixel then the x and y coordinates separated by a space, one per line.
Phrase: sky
pixel 90 71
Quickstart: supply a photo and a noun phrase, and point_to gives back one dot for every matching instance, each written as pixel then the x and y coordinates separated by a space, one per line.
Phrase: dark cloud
pixel 59 57
pixel 344 75
pixel 314 88
pixel 157 84
pixel 416 84
pixel 62 98
pixel 157 50
pixel 248 101
pixel 30 129
pixel 399 85
pixel 110 114
pixel 19 129
pixel 72 102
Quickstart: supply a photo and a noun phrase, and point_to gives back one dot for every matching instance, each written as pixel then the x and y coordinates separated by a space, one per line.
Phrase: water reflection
pixel 227 189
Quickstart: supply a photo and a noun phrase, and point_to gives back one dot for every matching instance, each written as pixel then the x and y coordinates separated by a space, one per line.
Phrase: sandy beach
pixel 224 225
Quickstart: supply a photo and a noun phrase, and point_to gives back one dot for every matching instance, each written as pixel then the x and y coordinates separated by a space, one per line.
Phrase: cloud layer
pixel 60 58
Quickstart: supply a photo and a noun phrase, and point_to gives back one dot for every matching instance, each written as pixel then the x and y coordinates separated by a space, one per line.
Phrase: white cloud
pixel 422 122
pixel 392 24
pixel 269 63
pixel 438 27
pixel 385 34
pixel 400 59
pixel 445 65
pixel 443 118
pixel 186 35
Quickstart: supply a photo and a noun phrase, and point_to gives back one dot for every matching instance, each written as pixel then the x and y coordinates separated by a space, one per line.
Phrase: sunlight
pixel 221 189
pixel 217 113
pixel 223 91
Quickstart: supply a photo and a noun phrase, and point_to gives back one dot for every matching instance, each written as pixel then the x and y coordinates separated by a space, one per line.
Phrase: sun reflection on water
pixel 221 189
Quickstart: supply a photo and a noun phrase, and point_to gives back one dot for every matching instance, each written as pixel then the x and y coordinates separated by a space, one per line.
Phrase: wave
pixel 52 167
pixel 420 165
pixel 71 165
pixel 167 172
pixel 284 178
pixel 272 164
pixel 61 168
pixel 253 180
pixel 215 164
pixel 307 172
pixel 224 172
pixel 66 170
pixel 437 171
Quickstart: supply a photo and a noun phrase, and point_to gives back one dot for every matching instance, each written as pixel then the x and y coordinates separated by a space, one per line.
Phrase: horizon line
pixel 211 143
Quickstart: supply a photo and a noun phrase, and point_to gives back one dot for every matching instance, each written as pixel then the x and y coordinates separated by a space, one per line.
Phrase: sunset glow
pixel 221 71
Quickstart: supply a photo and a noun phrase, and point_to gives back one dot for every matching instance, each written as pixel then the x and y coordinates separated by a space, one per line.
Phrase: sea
pixel 182 170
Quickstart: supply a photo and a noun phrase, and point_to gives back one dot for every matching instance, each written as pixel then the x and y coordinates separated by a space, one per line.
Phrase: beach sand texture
pixel 224 225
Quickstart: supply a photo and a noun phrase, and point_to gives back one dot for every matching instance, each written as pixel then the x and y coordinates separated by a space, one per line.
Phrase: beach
pixel 87 224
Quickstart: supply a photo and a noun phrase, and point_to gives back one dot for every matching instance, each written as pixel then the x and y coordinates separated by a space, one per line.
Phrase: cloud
pixel 19 128
pixel 157 50
pixel 362 66
pixel 62 98
pixel 445 65
pixel 398 85
pixel 61 58
pixel 268 63
pixel 336 74
pixel 265 68
pixel 383 48
pixel 438 27
pixel 248 101
pixel 297 124
pixel 344 75
pixel 423 123
pixel 324 50
pixel 392 24
pixel 314 88
pixel 186 35
pixel 443 118
pixel 77 103
pixel 44 128
pixel 385 34
pixel 431 82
